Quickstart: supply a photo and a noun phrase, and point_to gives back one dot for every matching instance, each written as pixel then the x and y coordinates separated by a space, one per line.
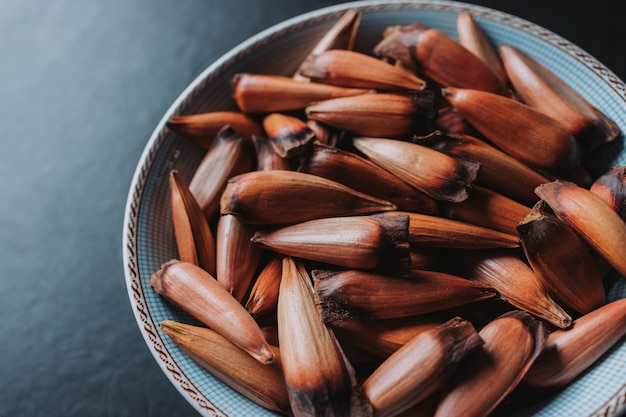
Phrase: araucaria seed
pixel 474 39
pixel 498 171
pixel 439 57
pixel 432 231
pixel 521 131
pixel 540 88
pixel 511 344
pixel 436 174
pixel 354 69
pixel 561 260
pixel 237 258
pixel 504 270
pixel 264 294
pixel 379 242
pixel 352 294
pixel 320 381
pixel 363 175
pixel 593 219
pixel 340 36
pixel 260 93
pixel 203 127
pixel 383 337
pixel 569 352
pixel 487 208
pixel 229 155
pixel 194 290
pixel 285 197
pixel 420 367
pixel 263 384
pixel 194 238
pixel 386 115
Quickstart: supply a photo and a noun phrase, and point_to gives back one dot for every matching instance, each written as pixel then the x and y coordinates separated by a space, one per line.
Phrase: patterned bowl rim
pixel 136 291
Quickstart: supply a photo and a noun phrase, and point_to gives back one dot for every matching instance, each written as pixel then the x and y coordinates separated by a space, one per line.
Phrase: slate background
pixel 82 85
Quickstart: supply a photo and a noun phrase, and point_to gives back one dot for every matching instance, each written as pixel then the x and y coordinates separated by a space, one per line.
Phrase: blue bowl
pixel 148 239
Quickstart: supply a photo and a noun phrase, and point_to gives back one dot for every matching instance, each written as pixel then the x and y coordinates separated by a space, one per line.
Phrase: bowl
pixel 148 239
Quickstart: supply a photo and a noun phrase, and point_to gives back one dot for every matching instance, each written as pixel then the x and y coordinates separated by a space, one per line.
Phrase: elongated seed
pixel 319 379
pixel 386 115
pixel 440 57
pixel 504 270
pixel 183 233
pixel 284 197
pixel 363 295
pixel 230 154
pixel 474 39
pixel 541 89
pixel 498 171
pixel 340 36
pixel 591 217
pixel 512 342
pixel 237 258
pixel 363 175
pixel 194 238
pixel 378 242
pixel 261 93
pixel 197 292
pixel 436 174
pixel 425 230
pixel 518 129
pixel 263 384
pixel 202 128
pixel 569 352
pixel 267 157
pixel 420 367
pixel 264 294
pixel 383 337
pixel 354 69
pixel 568 271
pixel 288 135
pixel 487 208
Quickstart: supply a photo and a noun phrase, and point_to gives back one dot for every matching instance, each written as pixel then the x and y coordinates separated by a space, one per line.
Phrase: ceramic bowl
pixel 148 239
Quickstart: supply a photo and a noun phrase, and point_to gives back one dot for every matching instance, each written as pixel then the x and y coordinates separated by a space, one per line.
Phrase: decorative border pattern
pixel 612 406
pixel 133 275
pixel 135 288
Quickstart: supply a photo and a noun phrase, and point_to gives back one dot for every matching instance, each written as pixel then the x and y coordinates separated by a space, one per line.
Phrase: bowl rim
pixel 147 326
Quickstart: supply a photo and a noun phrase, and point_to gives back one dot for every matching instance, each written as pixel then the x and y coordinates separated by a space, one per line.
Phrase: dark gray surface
pixel 82 85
